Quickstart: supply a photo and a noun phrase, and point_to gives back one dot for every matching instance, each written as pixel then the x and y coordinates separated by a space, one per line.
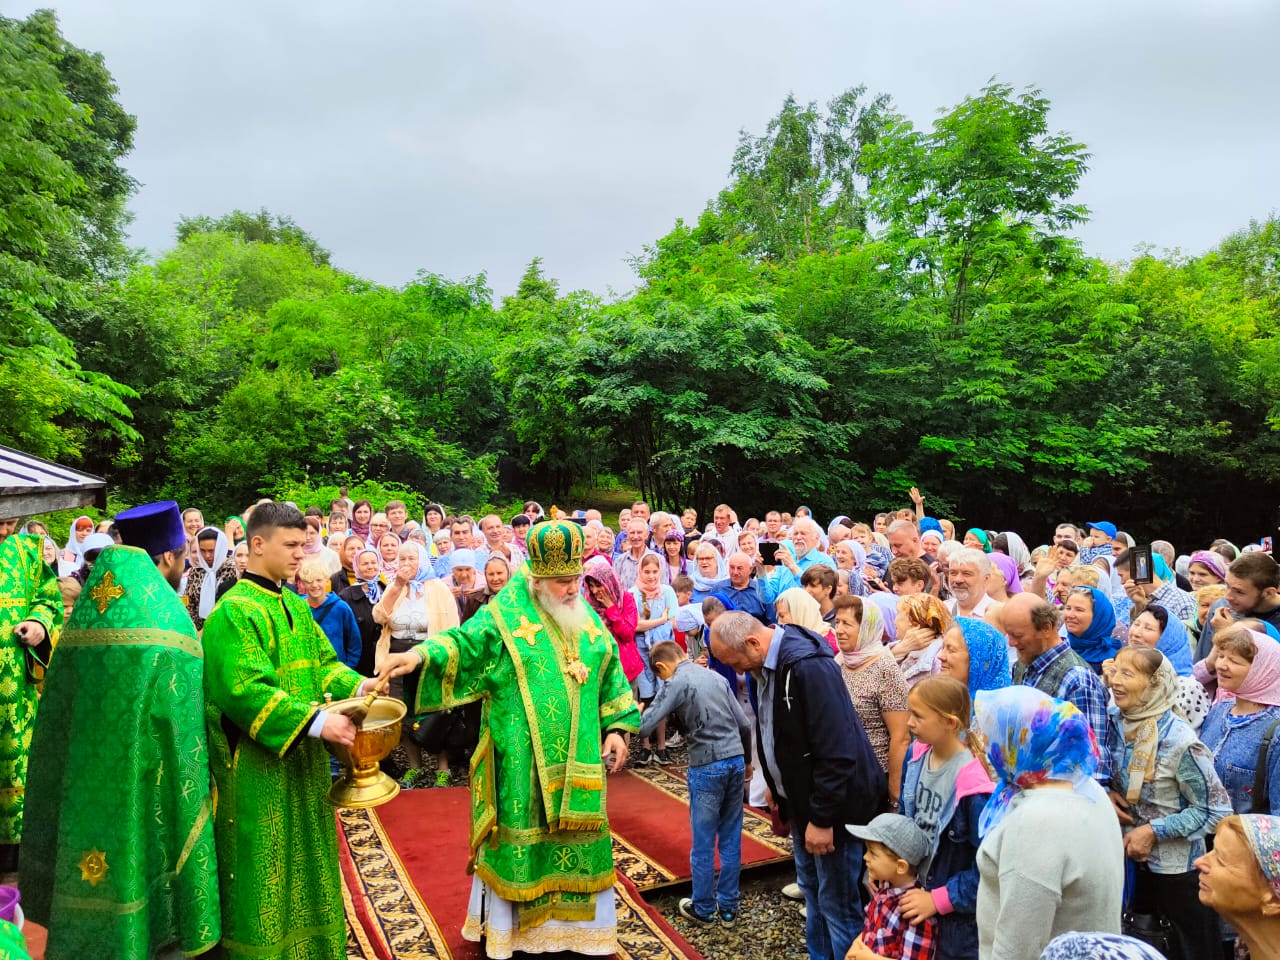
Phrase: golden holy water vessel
pixel 363 784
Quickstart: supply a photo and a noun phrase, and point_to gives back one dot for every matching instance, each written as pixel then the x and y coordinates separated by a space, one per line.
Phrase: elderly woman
pixel 1248 672
pixel 710 572
pixel 797 606
pixel 496 575
pixel 1090 622
pixel 1051 859
pixel 414 606
pixel 1240 879
pixel 1167 795
pixel 875 685
pixel 347 553
pixel 361 598
pixel 378 525
pixel 1154 628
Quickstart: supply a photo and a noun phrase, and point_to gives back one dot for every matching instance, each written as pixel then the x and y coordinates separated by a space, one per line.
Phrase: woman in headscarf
pixel 234 529
pixel 415 605
pixel 389 553
pixel 977 539
pixel 347 553
pixel 1240 879
pixel 1166 793
pixel 1099 946
pixel 798 606
pixel 1206 597
pixel 921 621
pixel 1003 581
pixel 495 575
pixel 850 556
pixel 976 654
pixel 1090 622
pixel 1248 670
pixel 1206 569
pixel 617 608
pixel 1016 549
pixel 875 685
pixel 361 597
pixel 81 530
pixel 212 574
pixel 361 514
pixel 1154 628
pixel 1051 859
pixel 313 547
pixel 710 572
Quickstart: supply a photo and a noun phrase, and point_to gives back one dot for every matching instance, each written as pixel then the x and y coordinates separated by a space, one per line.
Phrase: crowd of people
pixel 979 748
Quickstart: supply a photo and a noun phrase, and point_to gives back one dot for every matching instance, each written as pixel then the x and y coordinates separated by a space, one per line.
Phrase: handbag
pixel 1156 932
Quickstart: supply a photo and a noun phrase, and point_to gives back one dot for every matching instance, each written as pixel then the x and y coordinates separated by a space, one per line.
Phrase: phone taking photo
pixel 769 553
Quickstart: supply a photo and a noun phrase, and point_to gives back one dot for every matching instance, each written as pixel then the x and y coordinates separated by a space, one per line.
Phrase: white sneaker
pixel 674 741
pixel 792 891
pixel 804 911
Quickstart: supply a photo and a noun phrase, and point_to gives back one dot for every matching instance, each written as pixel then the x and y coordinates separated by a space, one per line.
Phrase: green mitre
pixel 555 549
pixel 127 600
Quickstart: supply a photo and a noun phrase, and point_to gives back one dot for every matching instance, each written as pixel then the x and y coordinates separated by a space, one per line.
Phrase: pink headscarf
pixel 1262 683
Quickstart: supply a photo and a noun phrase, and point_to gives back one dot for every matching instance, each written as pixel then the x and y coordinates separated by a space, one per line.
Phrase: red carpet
pixel 649 818
pixel 406 887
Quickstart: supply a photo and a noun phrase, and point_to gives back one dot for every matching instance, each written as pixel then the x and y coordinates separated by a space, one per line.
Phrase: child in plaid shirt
pixel 896 848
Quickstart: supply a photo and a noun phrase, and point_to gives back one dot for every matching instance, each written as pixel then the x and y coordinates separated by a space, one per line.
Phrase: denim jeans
pixel 830 885
pixel 715 813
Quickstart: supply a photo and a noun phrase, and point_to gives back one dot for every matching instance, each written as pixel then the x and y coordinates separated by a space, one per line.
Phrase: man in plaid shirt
pixel 896 849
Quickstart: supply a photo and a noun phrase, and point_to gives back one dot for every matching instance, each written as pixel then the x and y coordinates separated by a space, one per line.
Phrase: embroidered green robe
pixel 539 832
pixel 266 664
pixel 118 858
pixel 28 591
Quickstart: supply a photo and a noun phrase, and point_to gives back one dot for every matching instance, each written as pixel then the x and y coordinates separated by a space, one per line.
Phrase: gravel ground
pixel 769 926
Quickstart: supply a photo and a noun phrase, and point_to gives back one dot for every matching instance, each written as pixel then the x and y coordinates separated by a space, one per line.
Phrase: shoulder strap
pixel 1261 801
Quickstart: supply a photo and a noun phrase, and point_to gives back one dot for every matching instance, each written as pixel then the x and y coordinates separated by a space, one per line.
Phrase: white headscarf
pixel 209 586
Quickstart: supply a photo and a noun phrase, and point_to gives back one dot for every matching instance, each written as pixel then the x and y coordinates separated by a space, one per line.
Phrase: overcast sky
pixel 461 137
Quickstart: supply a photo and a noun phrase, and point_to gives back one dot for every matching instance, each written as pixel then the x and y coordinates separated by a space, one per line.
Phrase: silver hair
pixel 972 555
pixel 807 522
pixel 949 549
pixel 732 629
pixel 903 525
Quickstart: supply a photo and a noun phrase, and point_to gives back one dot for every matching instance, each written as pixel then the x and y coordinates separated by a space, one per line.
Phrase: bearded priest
pixel 547 673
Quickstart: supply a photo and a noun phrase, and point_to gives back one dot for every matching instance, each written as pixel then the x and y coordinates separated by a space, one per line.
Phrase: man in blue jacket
pixel 818 764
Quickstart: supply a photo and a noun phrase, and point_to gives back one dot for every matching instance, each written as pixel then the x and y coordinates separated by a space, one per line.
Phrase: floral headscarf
pixel 1214 561
pixel 988 655
pixel 600 570
pixel 1098 946
pixel 1033 737
pixel 1263 834
pixel 372 588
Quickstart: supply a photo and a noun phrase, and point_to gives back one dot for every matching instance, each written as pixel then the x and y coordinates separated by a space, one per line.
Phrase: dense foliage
pixel 866 305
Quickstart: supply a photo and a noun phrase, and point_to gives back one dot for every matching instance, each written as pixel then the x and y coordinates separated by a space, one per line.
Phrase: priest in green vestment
pixel 30 610
pixel 118 855
pixel 268 666
pixel 553 691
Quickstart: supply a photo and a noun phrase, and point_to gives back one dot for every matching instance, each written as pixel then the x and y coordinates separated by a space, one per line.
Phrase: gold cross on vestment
pixel 106 592
pixel 528 631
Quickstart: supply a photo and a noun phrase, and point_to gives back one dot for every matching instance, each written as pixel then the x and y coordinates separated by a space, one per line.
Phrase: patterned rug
pixel 388 917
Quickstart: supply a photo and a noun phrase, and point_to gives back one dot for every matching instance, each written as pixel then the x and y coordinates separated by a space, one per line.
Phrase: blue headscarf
pixel 1033 737
pixel 888 604
pixel 1096 643
pixel 1161 567
pixel 702 586
pixel 426 569
pixel 988 655
pixel 1175 644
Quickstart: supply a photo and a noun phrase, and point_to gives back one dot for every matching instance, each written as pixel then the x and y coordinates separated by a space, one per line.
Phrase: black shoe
pixel 727 918
pixel 686 910
pixel 643 757
pixel 662 757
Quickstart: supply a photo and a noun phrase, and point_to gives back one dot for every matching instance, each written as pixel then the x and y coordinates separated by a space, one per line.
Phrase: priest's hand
pixel 338 728
pixel 30 632
pixel 398 664
pixel 616 744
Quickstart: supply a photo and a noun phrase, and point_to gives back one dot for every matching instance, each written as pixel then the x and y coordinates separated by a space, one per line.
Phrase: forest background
pixel 865 306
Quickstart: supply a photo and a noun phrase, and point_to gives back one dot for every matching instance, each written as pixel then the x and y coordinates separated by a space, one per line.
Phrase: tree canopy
pixel 864 307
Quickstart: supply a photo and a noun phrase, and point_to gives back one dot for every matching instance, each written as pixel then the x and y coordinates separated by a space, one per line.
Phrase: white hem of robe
pixel 500 927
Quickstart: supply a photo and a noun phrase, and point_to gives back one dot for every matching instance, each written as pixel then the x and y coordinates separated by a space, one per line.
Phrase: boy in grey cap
pixel 896 850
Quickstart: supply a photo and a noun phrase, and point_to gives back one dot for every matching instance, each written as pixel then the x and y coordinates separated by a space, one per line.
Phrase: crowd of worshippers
pixel 1073 746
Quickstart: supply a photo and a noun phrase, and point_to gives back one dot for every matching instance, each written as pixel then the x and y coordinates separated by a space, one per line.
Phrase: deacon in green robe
pixel 267 668
pixel 118 858
pixel 552 687
pixel 30 609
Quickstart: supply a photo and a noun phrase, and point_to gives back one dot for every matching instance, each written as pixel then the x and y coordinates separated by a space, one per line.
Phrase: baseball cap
pixel 1105 526
pixel 900 834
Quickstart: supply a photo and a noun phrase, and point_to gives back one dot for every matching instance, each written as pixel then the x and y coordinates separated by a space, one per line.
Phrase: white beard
pixel 571 618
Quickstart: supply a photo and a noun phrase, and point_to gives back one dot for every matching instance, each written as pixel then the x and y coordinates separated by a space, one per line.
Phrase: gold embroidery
pixel 106 592
pixel 528 631
pixel 93 867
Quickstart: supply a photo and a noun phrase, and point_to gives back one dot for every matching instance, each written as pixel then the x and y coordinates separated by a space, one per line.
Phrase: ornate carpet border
pixel 407 928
